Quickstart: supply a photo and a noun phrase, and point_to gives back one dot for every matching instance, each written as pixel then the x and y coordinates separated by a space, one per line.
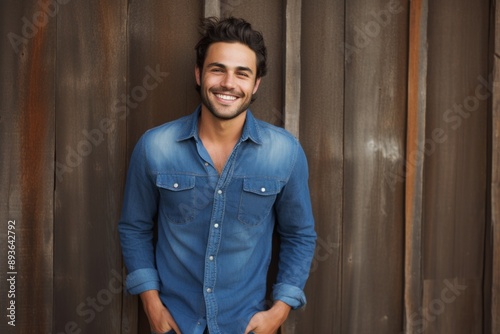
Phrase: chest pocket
pixel 177 197
pixel 257 199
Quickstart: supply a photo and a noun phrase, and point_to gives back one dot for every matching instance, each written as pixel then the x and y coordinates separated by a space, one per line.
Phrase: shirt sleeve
pixel 295 226
pixel 137 222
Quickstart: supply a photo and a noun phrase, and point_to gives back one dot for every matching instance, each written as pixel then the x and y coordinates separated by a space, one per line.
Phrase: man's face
pixel 228 79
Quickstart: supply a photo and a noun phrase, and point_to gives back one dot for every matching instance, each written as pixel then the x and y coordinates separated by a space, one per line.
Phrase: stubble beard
pixel 216 112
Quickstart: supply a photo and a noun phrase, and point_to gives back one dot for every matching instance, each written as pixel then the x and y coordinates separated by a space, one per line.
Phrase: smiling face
pixel 228 79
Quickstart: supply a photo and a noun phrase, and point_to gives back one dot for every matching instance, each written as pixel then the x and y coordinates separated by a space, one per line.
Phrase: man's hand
pixel 268 322
pixel 159 317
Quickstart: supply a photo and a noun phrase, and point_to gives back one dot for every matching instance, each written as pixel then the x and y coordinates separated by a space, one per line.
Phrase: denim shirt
pixel 213 247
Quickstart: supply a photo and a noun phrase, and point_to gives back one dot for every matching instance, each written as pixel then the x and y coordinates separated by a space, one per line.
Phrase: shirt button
pixel 209 290
pixel 219 191
pixel 263 190
pixel 176 185
pixel 206 164
pixel 216 225
pixel 211 258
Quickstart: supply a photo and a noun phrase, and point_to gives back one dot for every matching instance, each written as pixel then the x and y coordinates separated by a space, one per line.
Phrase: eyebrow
pixel 239 68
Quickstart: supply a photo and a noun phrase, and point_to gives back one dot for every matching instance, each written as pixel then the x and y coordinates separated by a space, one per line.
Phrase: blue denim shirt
pixel 215 231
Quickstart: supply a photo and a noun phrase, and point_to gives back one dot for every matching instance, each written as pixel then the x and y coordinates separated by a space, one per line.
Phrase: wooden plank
pixel 375 137
pixel 162 40
pixel 455 170
pixel 26 177
pixel 90 131
pixel 292 65
pixel 322 137
pixel 495 176
pixel 417 79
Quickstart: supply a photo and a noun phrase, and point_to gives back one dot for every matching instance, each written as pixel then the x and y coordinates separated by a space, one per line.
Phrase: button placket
pixel 215 237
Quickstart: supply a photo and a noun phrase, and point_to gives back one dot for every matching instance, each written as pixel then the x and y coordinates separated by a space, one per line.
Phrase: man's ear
pixel 257 83
pixel 197 73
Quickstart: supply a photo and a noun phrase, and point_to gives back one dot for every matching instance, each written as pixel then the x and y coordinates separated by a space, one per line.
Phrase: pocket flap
pixel 175 182
pixel 261 186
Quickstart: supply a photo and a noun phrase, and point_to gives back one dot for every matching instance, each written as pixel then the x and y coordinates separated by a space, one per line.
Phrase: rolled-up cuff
pixel 289 294
pixel 142 280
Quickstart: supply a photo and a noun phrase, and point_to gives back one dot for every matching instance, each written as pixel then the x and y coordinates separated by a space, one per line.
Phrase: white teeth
pixel 226 97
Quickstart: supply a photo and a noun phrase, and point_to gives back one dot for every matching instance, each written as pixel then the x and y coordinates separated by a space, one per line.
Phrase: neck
pixel 220 131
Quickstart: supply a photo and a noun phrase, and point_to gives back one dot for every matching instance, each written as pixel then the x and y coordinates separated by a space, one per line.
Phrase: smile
pixel 226 97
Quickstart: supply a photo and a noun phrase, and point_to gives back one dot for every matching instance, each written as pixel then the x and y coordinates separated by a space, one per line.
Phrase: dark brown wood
pixel 26 177
pixel 90 146
pixel 494 315
pixel 374 144
pixel 413 173
pixel 455 169
pixel 322 136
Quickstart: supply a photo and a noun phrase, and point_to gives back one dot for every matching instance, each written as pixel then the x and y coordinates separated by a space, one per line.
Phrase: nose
pixel 228 81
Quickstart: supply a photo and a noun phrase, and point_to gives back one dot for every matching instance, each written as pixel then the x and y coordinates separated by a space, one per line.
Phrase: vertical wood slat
pixel 90 131
pixel 26 178
pixel 495 179
pixel 374 146
pixel 417 78
pixel 212 8
pixel 292 65
pixel 322 137
pixel 455 168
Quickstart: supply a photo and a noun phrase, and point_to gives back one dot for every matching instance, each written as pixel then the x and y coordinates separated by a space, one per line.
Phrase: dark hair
pixel 231 30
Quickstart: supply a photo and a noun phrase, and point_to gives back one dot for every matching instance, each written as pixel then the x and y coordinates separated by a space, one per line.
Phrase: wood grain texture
pixel 91 73
pixel 322 137
pixel 212 8
pixel 415 138
pixel 374 146
pixel 494 315
pixel 26 176
pixel 293 28
pixel 456 164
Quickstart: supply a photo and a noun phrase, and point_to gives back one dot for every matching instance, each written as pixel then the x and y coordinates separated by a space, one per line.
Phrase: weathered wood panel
pixel 293 30
pixel 26 176
pixel 412 171
pixel 493 315
pixel 455 168
pixel 90 132
pixel 322 136
pixel 374 144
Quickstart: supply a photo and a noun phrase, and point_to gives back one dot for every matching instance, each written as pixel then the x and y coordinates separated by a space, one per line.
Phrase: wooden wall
pixel 395 102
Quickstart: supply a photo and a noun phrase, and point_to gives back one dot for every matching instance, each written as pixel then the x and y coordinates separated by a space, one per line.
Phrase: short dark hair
pixel 231 30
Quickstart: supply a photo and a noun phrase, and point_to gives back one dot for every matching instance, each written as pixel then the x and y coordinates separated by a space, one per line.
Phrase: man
pixel 218 182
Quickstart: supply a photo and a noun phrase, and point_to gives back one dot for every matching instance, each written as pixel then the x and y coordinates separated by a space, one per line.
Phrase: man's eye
pixel 243 74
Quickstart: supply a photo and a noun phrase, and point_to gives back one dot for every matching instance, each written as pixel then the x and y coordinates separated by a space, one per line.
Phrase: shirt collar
pixel 251 128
